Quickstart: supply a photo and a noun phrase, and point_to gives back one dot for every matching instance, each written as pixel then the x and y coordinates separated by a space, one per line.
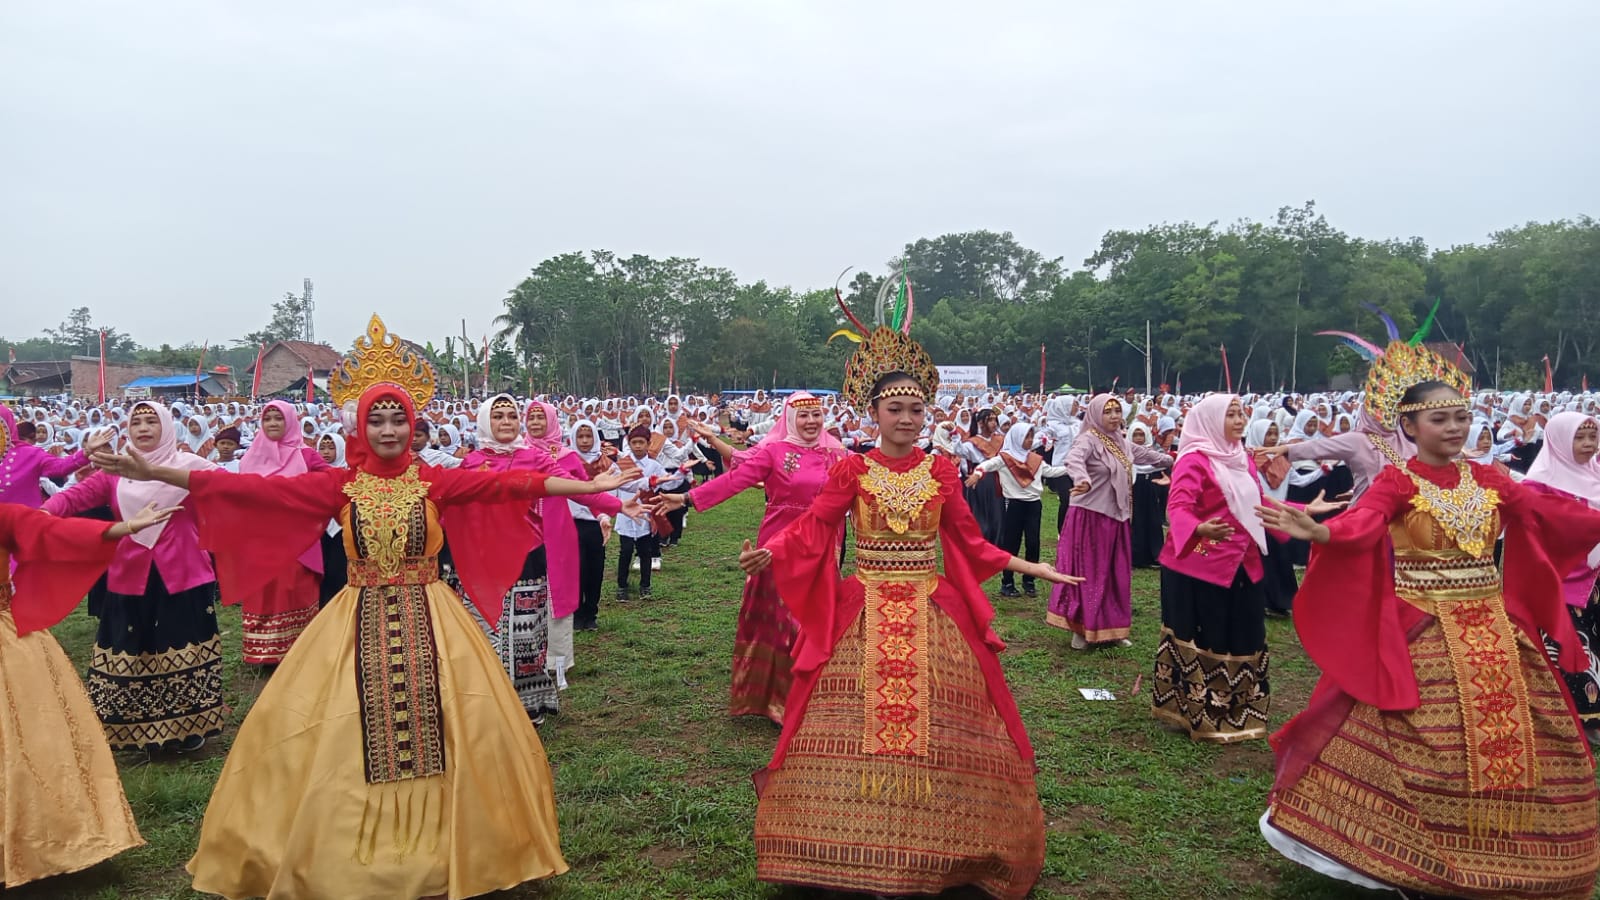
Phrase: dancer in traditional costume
pixel 389 757
pixel 903 766
pixel 1439 754
pixel 1566 468
pixel 533 649
pixel 62 802
pixel 274 617
pixel 792 463
pixel 1211 664
pixel 1096 539
pixel 156 672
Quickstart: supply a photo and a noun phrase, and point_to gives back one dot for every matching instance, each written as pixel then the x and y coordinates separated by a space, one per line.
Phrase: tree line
pixel 601 323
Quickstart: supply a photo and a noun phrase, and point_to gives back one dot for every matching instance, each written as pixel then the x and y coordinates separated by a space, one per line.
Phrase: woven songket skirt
pixel 967 813
pixel 1389 796
pixel 762 643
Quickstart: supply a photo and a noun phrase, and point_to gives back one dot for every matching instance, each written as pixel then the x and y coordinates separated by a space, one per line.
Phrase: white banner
pixel 963 379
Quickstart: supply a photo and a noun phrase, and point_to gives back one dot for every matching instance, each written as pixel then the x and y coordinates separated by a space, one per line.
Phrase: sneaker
pixel 622 595
pixel 1030 590
pixel 1078 643
pixel 192 743
pixel 1124 643
pixel 1009 590
pixel 585 626
pixel 645 594
pixel 655 564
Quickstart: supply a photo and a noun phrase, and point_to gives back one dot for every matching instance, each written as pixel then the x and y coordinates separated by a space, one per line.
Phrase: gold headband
pixel 900 390
pixel 805 403
pixel 386 403
pixel 503 403
pixel 1457 403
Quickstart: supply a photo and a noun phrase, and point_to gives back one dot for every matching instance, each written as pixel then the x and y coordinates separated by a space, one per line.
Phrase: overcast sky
pixel 178 165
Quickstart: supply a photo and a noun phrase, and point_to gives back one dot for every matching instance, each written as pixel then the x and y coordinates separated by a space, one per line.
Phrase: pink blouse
pixel 794 476
pixel 1196 497
pixel 176 555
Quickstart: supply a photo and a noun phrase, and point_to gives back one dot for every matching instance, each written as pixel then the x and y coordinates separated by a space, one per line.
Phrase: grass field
pixel 652 777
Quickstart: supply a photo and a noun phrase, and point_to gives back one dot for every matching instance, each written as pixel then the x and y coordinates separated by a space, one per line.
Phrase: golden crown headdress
pixel 379 357
pixel 887 348
pixel 1396 368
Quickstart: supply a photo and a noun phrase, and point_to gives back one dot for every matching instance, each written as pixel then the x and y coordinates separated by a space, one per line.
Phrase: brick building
pixel 285 363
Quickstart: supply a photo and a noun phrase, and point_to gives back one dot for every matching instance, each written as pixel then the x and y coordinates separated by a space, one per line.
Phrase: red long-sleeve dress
pixel 1439 752
pixel 903 766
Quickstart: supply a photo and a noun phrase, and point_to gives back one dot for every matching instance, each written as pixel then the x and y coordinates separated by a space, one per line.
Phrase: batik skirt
pixel 1211 663
pixel 155 676
pixel 1584 686
pixel 522 640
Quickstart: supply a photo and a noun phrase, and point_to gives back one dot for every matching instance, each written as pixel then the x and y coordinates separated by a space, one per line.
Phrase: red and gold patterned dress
pixel 1439 752
pixel 903 766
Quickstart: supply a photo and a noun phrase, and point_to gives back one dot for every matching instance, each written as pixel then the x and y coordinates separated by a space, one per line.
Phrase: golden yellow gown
pixel 295 815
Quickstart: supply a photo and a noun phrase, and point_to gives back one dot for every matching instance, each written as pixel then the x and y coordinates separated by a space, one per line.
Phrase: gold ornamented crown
pixel 883 351
pixel 1401 366
pixel 379 357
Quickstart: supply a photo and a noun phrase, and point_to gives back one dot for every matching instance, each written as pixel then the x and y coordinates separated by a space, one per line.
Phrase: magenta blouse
pixel 176 555
pixel 1195 497
pixel 23 466
pixel 794 475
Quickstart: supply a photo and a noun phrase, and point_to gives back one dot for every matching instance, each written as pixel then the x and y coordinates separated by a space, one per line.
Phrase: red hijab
pixel 359 453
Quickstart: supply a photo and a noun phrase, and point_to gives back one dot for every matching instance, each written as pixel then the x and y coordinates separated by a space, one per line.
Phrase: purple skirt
pixel 1100 549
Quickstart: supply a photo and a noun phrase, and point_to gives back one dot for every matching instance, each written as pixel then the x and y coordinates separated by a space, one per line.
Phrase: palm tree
pixel 521 322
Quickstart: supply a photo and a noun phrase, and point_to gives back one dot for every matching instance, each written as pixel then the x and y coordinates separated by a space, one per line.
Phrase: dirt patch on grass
pixel 663 857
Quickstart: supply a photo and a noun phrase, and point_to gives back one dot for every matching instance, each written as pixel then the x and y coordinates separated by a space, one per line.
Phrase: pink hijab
pixel 1555 467
pixel 133 496
pixel 1205 432
pixel 785 430
pixel 282 457
pixel 550 442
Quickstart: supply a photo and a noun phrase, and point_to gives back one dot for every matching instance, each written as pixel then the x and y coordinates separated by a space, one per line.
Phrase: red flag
pixel 486 364
pixel 1041 368
pixel 101 393
pixel 1549 381
pixel 197 367
pixel 255 383
pixel 1586 382
pixel 672 370
pixel 311 386
pixel 1226 372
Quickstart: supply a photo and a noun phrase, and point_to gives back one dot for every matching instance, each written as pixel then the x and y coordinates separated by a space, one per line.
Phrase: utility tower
pixel 307 303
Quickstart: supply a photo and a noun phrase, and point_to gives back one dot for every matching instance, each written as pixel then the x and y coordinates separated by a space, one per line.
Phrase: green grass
pixel 653 778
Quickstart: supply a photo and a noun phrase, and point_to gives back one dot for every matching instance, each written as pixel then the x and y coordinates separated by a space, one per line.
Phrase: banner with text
pixel 963 379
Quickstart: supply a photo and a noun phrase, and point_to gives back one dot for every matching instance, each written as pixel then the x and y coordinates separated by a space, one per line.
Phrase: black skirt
pixel 1149 517
pixel 1279 583
pixel 335 568
pixel 156 675
pixel 989 508
pixel 1211 664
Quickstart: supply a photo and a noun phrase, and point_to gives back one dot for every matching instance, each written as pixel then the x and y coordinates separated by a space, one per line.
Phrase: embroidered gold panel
pixel 397 663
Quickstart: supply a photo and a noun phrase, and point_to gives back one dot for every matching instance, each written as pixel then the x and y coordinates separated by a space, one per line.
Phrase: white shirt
pixel 648 468
pixel 1014 489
